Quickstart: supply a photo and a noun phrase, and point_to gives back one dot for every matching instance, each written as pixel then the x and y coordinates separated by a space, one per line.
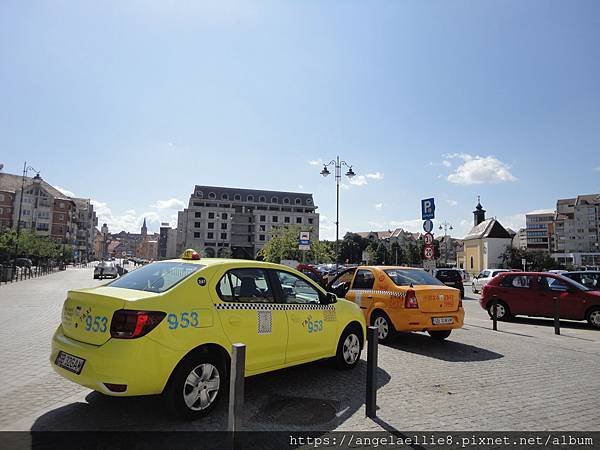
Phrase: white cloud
pixel 375 175
pixel 446 163
pixel 65 191
pixel 452 202
pixel 300 186
pixel 378 205
pixel 130 221
pixel 514 221
pixel 315 162
pixel 358 180
pixel 172 203
pixel 479 170
pixel 344 186
pixel 326 229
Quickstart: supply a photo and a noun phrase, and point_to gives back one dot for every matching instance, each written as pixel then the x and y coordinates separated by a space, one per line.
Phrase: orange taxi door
pixel 361 289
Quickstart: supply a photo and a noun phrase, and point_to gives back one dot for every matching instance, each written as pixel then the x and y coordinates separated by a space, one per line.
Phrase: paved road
pixel 522 377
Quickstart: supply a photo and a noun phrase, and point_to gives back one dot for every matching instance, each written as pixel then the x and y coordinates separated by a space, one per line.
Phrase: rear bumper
pixel 141 364
pixel 421 321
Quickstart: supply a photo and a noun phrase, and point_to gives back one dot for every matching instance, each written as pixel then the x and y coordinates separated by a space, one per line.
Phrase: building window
pixel 212 195
pixel 223 235
pixel 249 219
pixel 263 218
pixel 225 197
pixel 197 224
pixel 197 214
pixel 196 235
pixel 275 219
pixel 297 201
pixel 210 235
pixel 237 197
pixel 286 219
pixel 262 198
pixel 200 194
pixel 273 199
pixel 249 238
pixel 310 221
pixel 223 226
pixel 211 225
pixel 211 215
pixel 286 201
pixel 261 237
pixel 1 197
pixel 250 198
pixel 224 216
pixel 308 201
pixel 262 228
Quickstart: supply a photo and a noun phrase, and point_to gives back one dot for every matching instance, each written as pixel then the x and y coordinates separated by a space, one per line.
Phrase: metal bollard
pixel 556 315
pixel 495 312
pixel 236 388
pixel 371 400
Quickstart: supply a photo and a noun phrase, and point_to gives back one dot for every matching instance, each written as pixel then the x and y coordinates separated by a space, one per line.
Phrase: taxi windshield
pixel 156 277
pixel 416 277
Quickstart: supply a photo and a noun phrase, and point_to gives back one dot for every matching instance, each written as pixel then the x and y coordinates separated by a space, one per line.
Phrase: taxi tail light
pixel 128 324
pixel 410 301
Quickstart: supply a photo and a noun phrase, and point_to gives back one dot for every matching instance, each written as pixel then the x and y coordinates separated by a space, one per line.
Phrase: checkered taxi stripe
pixel 379 292
pixel 273 306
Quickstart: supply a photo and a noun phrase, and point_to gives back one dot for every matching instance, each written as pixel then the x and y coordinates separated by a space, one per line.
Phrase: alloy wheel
pixel 201 387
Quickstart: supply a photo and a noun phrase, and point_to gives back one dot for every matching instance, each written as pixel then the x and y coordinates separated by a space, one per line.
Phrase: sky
pixel 133 103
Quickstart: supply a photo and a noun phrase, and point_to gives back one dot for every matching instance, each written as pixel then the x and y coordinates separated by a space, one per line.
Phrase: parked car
pixel 452 278
pixel 311 272
pixel 533 293
pixel 589 278
pixel 339 283
pixel 105 269
pixel 484 277
pixel 402 299
pixel 167 328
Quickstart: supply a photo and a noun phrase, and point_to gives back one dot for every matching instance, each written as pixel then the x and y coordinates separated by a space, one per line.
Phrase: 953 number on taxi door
pixel 184 320
pixel 314 327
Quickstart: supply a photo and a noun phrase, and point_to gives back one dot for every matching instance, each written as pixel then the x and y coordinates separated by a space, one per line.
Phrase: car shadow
pixel 312 396
pixel 446 350
pixel 549 322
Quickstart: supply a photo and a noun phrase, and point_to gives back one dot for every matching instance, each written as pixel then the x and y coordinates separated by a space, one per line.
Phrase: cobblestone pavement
pixel 522 377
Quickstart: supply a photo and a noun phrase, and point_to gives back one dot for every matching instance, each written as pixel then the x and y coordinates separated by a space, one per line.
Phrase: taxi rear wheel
pixel 385 328
pixel 439 335
pixel 196 387
pixel 349 347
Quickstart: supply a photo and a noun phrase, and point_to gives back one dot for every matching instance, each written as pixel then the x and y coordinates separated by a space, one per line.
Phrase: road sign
pixel 428 264
pixel 304 247
pixel 428 238
pixel 428 252
pixel 428 226
pixel 304 241
pixel 427 209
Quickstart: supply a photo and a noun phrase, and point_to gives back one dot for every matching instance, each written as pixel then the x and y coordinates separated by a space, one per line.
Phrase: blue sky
pixel 133 103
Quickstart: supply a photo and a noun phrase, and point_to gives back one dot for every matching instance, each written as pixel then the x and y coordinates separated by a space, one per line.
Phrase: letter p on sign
pixel 427 209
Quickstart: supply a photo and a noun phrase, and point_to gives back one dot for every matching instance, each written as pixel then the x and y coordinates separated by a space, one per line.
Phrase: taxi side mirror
pixel 331 298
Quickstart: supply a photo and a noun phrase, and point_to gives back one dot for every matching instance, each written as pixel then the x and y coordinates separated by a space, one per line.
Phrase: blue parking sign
pixel 427 209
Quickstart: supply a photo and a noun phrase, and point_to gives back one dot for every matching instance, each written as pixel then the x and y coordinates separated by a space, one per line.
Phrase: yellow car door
pixel 249 315
pixel 312 322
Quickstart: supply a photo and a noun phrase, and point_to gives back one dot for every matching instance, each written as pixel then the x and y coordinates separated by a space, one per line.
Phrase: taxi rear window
pixel 406 277
pixel 156 277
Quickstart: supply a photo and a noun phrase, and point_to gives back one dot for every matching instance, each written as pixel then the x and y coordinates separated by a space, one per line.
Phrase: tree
pixel 352 247
pixel 512 258
pixel 397 254
pixel 282 245
pixel 381 254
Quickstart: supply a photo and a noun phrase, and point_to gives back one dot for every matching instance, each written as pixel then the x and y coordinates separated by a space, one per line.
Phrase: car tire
pixel 195 373
pixel 385 327
pixel 473 289
pixel 439 335
pixel 349 348
pixel 502 312
pixel 593 317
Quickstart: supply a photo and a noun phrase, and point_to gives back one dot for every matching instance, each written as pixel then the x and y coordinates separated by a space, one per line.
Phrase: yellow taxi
pixel 168 328
pixel 401 299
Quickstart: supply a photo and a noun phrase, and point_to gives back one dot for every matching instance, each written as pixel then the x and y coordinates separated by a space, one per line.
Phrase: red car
pixel 532 294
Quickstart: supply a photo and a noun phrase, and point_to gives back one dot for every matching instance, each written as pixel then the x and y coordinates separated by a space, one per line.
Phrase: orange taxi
pixel 401 299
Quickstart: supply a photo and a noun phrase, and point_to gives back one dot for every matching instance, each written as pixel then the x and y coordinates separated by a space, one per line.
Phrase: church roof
pixel 489 228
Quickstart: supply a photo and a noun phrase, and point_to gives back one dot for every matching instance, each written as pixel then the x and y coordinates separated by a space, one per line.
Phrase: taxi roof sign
pixel 190 253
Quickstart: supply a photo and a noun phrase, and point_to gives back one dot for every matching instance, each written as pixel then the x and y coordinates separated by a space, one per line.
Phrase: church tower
pixel 144 230
pixel 479 213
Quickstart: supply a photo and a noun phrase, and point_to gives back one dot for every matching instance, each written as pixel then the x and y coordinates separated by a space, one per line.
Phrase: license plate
pixel 69 362
pixel 442 320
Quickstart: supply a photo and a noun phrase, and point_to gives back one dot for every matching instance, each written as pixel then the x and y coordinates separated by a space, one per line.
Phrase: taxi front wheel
pixel 197 386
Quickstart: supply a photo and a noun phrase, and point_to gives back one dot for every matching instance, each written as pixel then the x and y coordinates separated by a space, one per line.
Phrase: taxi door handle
pixel 235 320
pixel 369 296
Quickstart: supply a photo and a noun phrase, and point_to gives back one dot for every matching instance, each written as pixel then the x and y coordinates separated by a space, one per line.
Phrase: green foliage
pixel 352 247
pixel 284 245
pixel 536 261
pixel 30 245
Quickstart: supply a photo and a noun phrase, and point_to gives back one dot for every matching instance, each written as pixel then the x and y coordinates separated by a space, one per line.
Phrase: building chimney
pixel 479 213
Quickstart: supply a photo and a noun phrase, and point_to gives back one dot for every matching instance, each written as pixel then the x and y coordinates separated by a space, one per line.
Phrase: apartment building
pixel 538 228
pixel 222 221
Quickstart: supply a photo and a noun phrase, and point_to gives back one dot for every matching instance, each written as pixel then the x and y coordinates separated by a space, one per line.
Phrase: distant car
pixel 484 277
pixel 311 272
pixel 452 278
pixel 589 278
pixel 105 269
pixel 558 271
pixel 533 294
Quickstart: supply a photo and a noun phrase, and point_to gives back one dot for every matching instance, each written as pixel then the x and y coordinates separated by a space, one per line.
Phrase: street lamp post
pixel 338 176
pixel 446 226
pixel 26 169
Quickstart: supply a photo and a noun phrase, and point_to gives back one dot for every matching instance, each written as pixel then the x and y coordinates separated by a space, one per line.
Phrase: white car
pixel 484 277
